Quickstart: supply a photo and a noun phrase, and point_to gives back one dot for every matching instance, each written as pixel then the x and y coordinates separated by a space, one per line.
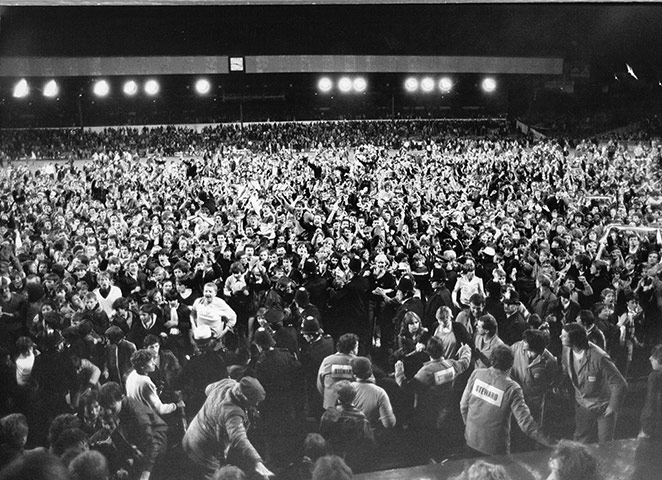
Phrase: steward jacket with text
pixel 488 401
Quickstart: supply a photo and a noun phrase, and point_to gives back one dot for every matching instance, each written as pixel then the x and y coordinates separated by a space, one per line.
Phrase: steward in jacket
pixel 489 400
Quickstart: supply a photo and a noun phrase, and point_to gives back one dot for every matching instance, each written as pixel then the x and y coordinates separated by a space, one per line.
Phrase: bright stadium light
pixel 489 85
pixel 202 86
pixel 411 84
pixel 325 85
pixel 130 88
pixel 151 87
pixel 345 84
pixel 101 88
pixel 21 89
pixel 427 84
pixel 51 89
pixel 360 84
pixel 445 84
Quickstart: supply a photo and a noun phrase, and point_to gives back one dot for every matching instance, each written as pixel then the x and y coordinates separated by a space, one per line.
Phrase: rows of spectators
pixel 66 144
pixel 134 293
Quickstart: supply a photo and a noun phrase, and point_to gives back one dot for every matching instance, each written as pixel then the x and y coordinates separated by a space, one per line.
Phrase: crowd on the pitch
pixel 324 274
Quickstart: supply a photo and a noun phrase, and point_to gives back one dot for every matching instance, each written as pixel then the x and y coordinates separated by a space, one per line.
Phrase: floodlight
pixel 325 84
pixel 51 89
pixel 101 88
pixel 445 84
pixel 489 84
pixel 202 86
pixel 359 84
pixel 411 84
pixel 130 88
pixel 427 84
pixel 151 87
pixel 345 84
pixel 21 89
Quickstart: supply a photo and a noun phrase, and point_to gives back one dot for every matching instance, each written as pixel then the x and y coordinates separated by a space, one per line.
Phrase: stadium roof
pixel 575 31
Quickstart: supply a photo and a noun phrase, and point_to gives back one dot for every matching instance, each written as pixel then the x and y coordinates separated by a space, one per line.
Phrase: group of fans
pixel 220 305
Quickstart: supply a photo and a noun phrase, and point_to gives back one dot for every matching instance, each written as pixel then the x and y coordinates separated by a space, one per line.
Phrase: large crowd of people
pixel 360 282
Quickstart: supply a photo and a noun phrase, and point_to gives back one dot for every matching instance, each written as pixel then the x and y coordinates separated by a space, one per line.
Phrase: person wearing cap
pixel 315 346
pixel 510 331
pixel 213 312
pixel 371 399
pixel 223 422
pixel 489 401
pixel 278 372
pixel 337 367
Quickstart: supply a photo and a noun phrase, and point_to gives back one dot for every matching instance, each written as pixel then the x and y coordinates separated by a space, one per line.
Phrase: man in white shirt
pixel 213 311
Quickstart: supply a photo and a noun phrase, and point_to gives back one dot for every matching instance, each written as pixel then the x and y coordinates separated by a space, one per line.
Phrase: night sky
pixel 609 33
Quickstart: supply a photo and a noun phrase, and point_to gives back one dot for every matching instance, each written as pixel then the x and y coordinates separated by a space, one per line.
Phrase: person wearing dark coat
pixel 279 373
pixel 315 347
pixel 514 324
pixel 206 366
pixel 441 296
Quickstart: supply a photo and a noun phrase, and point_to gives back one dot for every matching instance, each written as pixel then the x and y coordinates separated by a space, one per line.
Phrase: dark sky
pixel 610 33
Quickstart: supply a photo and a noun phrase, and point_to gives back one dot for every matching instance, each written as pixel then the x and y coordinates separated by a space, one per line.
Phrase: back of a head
pixel 89 465
pixel 482 470
pixel 502 357
pixel 331 467
pixel 314 446
pixel 229 472
pixel 573 461
pixel 14 430
pixel 35 465
pixel 345 391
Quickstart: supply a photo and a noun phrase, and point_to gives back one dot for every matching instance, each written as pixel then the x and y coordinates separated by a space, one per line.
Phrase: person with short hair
pixel 490 398
pixel 337 367
pixel 213 312
pixel 89 465
pixel 486 340
pixel 141 388
pixel 599 386
pixel 347 429
pixel 140 432
pixel 467 285
pixel 371 399
pixel 473 311
pixel 13 437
